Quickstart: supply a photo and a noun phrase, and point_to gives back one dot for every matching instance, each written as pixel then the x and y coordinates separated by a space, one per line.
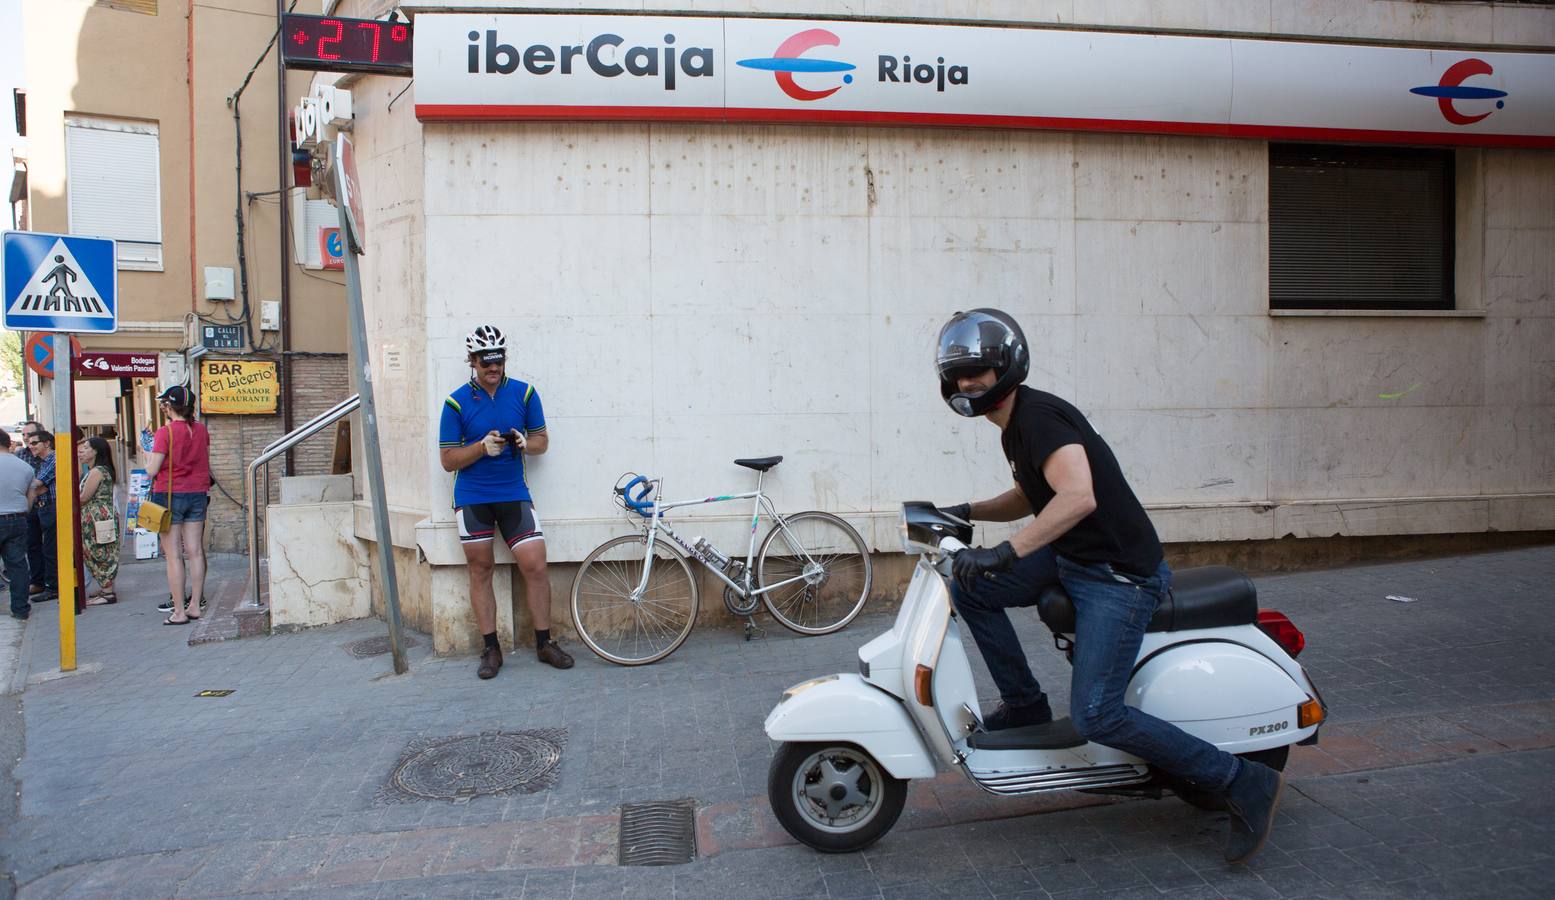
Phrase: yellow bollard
pixel 65 536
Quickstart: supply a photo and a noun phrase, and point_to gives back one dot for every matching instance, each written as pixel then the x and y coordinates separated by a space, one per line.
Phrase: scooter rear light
pixel 922 684
pixel 1282 631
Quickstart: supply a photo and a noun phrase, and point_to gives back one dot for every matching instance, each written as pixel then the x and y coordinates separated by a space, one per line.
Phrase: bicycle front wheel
pixel 632 632
pixel 819 572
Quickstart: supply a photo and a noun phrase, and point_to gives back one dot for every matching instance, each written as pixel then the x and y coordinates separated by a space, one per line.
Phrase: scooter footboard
pixel 847 709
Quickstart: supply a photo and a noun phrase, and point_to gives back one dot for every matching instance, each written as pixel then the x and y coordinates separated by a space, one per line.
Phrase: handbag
pixel 153 516
pixel 105 531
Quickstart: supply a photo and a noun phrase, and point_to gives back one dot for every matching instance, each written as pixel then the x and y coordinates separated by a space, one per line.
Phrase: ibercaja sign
pixel 476 66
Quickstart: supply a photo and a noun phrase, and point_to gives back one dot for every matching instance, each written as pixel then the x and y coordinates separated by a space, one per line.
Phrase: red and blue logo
pixel 788 60
pixel 1452 88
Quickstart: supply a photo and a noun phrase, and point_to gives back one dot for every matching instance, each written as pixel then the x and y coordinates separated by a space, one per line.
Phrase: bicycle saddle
pixel 761 464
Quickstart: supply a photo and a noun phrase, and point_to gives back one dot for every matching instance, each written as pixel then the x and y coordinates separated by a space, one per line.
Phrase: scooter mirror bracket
pixel 925 530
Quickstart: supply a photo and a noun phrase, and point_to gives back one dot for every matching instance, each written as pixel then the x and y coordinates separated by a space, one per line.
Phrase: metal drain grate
pixel 660 833
pixel 460 768
pixel 375 646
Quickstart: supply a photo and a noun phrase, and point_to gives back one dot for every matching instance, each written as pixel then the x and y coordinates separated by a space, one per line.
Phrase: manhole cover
pixel 376 646
pixel 458 768
pixel 660 833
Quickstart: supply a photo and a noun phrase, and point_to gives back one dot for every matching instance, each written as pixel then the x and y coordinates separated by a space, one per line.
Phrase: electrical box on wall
pixel 270 315
pixel 219 282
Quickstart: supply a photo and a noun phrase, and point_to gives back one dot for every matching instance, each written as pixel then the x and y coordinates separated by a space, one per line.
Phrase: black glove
pixel 973 563
pixel 962 511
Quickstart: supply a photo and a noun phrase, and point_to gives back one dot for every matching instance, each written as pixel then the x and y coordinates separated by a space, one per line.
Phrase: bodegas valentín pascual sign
pixel 475 66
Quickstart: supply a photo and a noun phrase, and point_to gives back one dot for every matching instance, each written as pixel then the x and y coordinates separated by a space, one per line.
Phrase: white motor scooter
pixel 1211 663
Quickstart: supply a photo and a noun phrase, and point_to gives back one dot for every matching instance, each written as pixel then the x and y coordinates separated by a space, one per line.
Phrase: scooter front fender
pixel 847 709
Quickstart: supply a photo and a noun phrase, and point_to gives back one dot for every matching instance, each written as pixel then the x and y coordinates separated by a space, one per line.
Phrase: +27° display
pixel 334 44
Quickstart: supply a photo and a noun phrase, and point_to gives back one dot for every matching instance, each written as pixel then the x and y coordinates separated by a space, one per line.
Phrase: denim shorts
pixel 189 506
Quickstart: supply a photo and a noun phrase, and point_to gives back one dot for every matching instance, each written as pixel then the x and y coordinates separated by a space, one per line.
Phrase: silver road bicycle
pixel 635 598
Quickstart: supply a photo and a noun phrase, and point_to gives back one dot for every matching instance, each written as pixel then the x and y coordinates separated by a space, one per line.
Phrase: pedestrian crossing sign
pixel 59 282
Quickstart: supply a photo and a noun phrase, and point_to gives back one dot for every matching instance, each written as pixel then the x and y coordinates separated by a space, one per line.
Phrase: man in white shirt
pixel 16 481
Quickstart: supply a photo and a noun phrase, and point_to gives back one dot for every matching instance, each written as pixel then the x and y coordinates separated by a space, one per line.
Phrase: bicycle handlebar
pixel 638 504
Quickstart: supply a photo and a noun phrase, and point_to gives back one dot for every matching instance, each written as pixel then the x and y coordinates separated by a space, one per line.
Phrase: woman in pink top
pixel 188 476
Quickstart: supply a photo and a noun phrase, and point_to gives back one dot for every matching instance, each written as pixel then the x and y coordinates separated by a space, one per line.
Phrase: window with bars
pixel 1360 227
pixel 114 186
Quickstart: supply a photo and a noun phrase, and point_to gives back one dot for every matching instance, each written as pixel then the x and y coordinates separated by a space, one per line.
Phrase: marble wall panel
pixel 1520 272
pixel 1520 188
pixel 936 456
pixel 1520 362
pixel 1348 452
pixel 587 454
pixel 752 170
pixel 1203 15
pixel 1517 448
pixel 1147 177
pixel 1335 362
pixel 318 569
pixel 1170 362
pixel 979 174
pixel 1527 26
pixel 1437 22
pixel 561 168
pixel 1190 456
pixel 1171 268
pixel 528 264
pixel 934 264
pixel 758 265
pixel 740 366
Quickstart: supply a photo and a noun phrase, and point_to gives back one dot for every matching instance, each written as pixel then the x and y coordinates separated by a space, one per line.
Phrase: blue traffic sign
pixel 59 282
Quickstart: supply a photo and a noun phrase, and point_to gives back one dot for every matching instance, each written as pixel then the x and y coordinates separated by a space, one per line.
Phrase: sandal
pixel 171 621
pixel 106 598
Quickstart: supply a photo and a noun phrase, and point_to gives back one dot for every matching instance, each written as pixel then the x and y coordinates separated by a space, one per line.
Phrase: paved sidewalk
pixel 1431 779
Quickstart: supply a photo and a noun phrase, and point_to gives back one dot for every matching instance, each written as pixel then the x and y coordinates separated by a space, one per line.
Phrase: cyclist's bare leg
pixel 482 601
pixel 530 557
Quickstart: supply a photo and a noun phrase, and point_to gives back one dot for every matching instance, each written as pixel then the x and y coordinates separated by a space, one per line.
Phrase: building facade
pixel 137 110
pixel 686 287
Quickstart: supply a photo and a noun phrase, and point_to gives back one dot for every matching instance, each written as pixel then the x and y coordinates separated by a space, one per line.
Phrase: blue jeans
pixel 45 570
pixel 13 550
pixel 1110 620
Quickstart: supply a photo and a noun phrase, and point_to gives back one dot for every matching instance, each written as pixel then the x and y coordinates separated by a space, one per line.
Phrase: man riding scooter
pixel 1092 536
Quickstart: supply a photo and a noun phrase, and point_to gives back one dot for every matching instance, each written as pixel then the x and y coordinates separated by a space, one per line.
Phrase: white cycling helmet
pixel 485 339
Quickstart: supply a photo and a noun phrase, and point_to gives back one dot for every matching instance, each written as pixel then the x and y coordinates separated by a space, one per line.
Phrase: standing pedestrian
pixel 30 429
pixel 488 425
pixel 16 478
pixel 45 568
pixel 99 523
pixel 185 446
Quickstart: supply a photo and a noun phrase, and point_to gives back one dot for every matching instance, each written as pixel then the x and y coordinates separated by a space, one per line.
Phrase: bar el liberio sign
pixel 238 386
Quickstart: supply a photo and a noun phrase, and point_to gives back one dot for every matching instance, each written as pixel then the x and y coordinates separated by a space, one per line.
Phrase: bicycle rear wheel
pixel 624 631
pixel 827 567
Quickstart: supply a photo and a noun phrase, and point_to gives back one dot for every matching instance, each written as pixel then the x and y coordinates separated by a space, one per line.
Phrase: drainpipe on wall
pixel 284 170
pixel 194 285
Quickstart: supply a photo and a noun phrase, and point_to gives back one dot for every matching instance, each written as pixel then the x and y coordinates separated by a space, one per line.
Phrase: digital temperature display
pixel 333 44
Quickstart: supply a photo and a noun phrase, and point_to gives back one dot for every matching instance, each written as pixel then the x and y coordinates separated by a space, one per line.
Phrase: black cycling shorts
pixel 516 518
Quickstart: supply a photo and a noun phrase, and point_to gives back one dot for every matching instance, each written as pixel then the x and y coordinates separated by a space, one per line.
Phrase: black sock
pixel 491 641
pixel 542 637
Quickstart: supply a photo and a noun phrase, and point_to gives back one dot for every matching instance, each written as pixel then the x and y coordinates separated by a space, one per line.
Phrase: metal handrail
pixel 280 445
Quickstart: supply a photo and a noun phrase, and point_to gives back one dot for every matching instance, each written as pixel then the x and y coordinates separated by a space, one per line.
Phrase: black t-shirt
pixel 1118 531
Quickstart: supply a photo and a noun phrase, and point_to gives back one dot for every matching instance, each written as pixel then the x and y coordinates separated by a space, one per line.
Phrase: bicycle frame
pixel 656 523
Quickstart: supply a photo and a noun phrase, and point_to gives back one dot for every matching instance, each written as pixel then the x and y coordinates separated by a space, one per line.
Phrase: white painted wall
pixel 685 294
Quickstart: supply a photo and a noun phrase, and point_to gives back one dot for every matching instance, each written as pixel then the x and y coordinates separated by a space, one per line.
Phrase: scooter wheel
pixel 1274 758
pixel 833 797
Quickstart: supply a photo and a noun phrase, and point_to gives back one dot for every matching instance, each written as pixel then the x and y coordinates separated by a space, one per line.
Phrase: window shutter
pixel 115 187
pixel 1360 228
pixel 145 7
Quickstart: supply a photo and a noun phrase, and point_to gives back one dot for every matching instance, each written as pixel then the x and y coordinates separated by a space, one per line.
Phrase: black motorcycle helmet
pixel 976 340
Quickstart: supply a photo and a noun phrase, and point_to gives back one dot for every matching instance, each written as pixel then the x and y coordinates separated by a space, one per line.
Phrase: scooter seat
pixel 761 464
pixel 1054 735
pixel 1205 597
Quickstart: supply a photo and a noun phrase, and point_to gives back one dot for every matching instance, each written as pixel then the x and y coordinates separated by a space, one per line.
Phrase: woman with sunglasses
pixel 185 447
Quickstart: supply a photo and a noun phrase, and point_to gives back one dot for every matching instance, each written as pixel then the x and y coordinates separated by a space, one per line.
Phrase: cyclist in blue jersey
pixel 488 425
